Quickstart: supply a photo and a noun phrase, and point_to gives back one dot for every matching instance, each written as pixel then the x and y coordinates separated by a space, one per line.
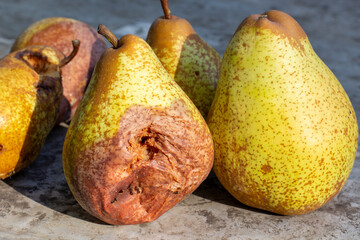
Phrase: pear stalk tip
pixel 66 60
pixel 110 36
pixel 165 7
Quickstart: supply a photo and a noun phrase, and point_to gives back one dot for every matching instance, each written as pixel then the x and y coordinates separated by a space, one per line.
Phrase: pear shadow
pixel 44 181
pixel 212 190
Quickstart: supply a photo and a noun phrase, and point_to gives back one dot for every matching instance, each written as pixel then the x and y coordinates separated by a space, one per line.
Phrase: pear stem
pixel 110 36
pixel 165 7
pixel 66 60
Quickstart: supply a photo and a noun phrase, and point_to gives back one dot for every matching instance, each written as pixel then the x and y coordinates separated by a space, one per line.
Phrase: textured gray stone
pixel 37 204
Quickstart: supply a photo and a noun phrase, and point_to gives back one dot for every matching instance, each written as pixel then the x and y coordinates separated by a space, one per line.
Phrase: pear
pixel 31 91
pixel 285 133
pixel 137 145
pixel 190 61
pixel 58 32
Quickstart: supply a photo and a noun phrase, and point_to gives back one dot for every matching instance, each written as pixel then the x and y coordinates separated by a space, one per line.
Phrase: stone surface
pixel 37 204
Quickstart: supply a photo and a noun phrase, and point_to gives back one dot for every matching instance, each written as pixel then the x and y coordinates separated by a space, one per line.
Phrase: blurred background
pixel 37 204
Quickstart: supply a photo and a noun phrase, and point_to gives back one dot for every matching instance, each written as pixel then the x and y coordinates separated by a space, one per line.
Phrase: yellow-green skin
pixel 124 79
pixel 285 133
pixel 29 106
pixel 190 61
pixel 107 100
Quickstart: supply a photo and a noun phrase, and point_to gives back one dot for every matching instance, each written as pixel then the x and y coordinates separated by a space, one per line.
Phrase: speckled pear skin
pixel 190 61
pixel 285 133
pixel 58 32
pixel 30 94
pixel 136 145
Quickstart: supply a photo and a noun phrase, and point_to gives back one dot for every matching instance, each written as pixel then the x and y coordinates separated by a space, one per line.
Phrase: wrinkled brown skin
pixel 76 74
pixel 158 157
pixel 25 82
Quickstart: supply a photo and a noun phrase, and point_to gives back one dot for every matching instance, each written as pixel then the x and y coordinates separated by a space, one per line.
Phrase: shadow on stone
pixel 212 189
pixel 44 181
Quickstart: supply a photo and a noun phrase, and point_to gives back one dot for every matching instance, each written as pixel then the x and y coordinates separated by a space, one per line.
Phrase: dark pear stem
pixel 165 7
pixel 66 60
pixel 103 30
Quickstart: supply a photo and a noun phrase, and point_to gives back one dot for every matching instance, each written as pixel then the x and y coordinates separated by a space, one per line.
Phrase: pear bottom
pixel 158 157
pixel 279 193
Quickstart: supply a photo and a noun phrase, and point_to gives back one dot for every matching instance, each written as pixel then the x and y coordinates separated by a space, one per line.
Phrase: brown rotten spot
pixel 154 162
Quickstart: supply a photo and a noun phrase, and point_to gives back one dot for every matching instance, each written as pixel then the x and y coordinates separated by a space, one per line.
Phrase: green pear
pixel 285 133
pixel 30 95
pixel 137 145
pixel 190 61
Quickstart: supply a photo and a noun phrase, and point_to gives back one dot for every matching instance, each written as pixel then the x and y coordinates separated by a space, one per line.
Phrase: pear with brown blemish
pixel 137 145
pixel 285 133
pixel 190 61
pixel 58 32
pixel 30 95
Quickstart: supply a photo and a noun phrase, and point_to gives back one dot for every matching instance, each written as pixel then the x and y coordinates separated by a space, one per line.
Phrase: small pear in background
pixel 31 91
pixel 190 61
pixel 137 145
pixel 58 32
pixel 285 133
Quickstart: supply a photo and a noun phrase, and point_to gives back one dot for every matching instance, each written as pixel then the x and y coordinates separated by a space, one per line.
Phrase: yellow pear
pixel 30 95
pixel 137 145
pixel 285 133
pixel 190 61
